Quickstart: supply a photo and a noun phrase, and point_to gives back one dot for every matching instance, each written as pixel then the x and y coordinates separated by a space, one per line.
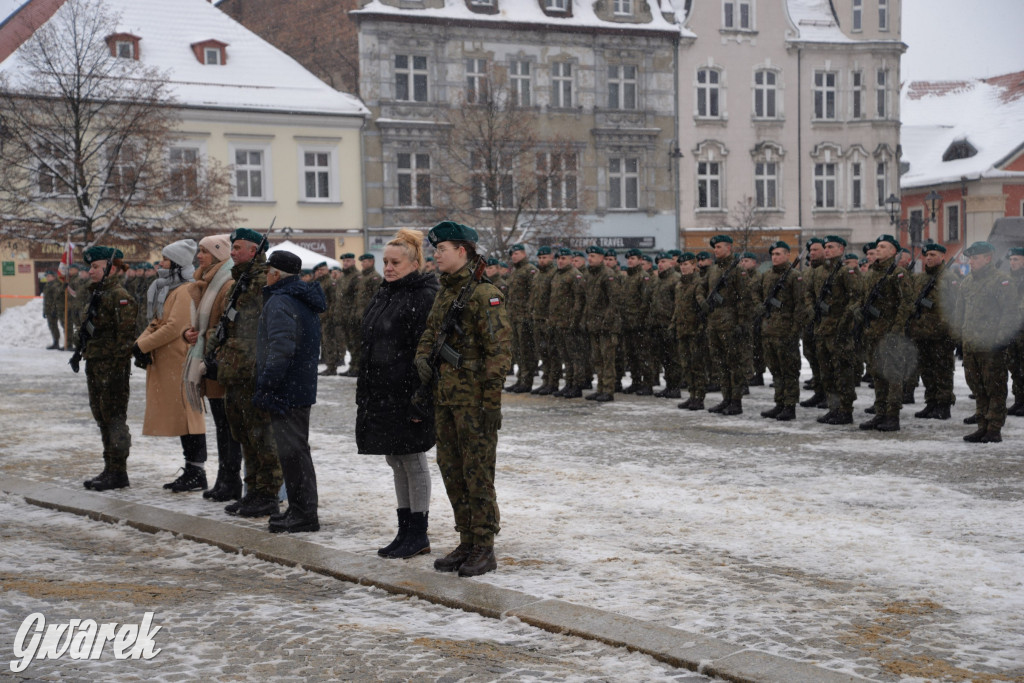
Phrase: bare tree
pixel 497 175
pixel 745 221
pixel 88 142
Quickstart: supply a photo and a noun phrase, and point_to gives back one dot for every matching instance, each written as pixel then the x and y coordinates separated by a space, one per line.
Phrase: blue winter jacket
pixel 288 345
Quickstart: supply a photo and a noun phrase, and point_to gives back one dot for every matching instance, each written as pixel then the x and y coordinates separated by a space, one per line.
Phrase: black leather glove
pixel 492 419
pixel 75 362
pixel 142 360
pixel 210 362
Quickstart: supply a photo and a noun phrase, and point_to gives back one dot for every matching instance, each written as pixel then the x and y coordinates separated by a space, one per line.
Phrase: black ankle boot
pixel 415 541
pixel 403 529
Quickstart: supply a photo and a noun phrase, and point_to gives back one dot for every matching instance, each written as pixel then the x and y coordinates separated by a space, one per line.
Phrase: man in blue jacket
pixel 287 353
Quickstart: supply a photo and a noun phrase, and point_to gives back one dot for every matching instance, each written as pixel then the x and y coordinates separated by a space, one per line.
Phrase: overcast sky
pixel 952 39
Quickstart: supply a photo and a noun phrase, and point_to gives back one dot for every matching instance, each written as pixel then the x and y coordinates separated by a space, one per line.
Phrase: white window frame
pixel 478 85
pixel 507 196
pixel 622 8
pixel 766 185
pixel 881 95
pixel 117 169
pixel 857 25
pixel 882 181
pixel 883 15
pixel 58 187
pixel 738 15
pixel 211 56
pixel 857 95
pixel 520 82
pixel 857 184
pixel 558 189
pixel 710 182
pixel 412 75
pixel 266 169
pixel 185 145
pixel 562 84
pixel 624 181
pixel 119 44
pixel 416 175
pixel 824 181
pixel 709 92
pixel 946 213
pixel 766 94
pixel 824 92
pixel 330 170
pixel 557 5
pixel 623 90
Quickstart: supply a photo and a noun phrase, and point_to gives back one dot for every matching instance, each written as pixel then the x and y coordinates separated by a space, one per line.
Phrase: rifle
pixel 771 302
pixel 715 298
pixel 820 307
pixel 867 309
pixel 923 302
pixel 88 328
pixel 441 350
pixel 220 335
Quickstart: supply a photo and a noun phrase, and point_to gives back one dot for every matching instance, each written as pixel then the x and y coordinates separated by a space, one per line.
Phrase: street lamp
pixel 893 202
pixel 934 198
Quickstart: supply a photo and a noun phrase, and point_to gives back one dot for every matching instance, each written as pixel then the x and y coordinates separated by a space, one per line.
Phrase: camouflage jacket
pixel 736 308
pixel 836 308
pixel 985 317
pixel 345 292
pixel 663 298
pixel 785 320
pixel 485 343
pixel 686 313
pixel 568 295
pixel 367 285
pixel 519 286
pixel 236 357
pixel 636 297
pixel 540 292
pixel 603 301
pixel 53 299
pixel 327 284
pixel 930 318
pixel 113 323
pixel 894 301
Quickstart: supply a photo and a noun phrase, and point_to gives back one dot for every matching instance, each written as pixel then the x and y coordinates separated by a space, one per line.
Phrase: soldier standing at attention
pixel 935 293
pixel 815 258
pixel 782 314
pixel 726 296
pixel 234 359
pixel 524 354
pixel 493 273
pixel 53 306
pixel 985 320
pixel 565 313
pixel 540 300
pixel 467 399
pixel 755 360
pixel 322 274
pixel 634 339
pixel 690 332
pixel 611 260
pixel 345 295
pixel 1015 352
pixel 110 330
pixel 602 322
pixel 661 327
pixel 367 284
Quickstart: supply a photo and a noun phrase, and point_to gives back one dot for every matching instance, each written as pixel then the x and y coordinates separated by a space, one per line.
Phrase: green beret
pixel 720 238
pixel 516 247
pixel 979 248
pixel 674 253
pixel 348 254
pixel 1014 251
pixel 503 264
pixel 429 258
pixel 544 250
pixel 862 262
pixel 594 249
pixel 749 254
pixel 701 255
pixel 888 238
pixel 336 268
pixel 97 253
pixel 850 255
pixel 815 240
pixel 304 271
pixel 565 251
pixel 778 244
pixel 366 257
pixel 686 256
pixel 448 231
pixel 579 253
pixel 610 252
pixel 322 264
pixel 50 272
pixel 932 246
pixel 249 235
pixel 869 246
pixel 634 252
pixel 904 250
pixel 647 257
pixel 836 239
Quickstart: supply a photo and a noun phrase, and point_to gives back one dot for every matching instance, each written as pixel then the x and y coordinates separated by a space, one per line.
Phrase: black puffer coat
pixel 392 326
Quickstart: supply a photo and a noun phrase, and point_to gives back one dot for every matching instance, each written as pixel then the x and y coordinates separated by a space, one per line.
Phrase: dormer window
pixel 557 5
pixel 960 149
pixel 212 52
pixel 123 45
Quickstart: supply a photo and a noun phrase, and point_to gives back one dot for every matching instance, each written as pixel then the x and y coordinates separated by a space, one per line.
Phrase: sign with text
pixel 603 242
pixel 324 247
pixel 8 267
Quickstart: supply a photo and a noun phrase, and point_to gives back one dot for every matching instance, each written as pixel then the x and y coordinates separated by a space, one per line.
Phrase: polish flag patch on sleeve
pixel 123 302
pixel 494 301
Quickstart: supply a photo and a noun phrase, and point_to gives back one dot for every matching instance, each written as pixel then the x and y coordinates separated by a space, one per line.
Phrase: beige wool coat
pixel 197 289
pixel 167 410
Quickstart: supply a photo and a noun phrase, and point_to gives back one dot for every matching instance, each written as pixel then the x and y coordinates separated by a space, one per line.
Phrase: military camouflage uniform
pixel 602 323
pixel 345 296
pixel 755 354
pixel 108 355
pixel 833 323
pixel 728 324
pixel 236 364
pixel 635 338
pixel 540 298
pixel 811 275
pixel 367 285
pixel 524 353
pixel 466 451
pixel 929 329
pixel 780 331
pixel 53 308
pixel 565 315
pixel 692 336
pixel 665 344
pixel 894 302
pixel 1015 352
pixel 328 345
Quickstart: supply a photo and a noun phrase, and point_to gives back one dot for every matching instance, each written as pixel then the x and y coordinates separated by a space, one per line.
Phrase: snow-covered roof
pixel 988 114
pixel 529 12
pixel 309 257
pixel 815 22
pixel 256 76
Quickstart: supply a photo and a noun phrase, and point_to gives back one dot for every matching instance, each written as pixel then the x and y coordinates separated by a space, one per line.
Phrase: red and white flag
pixel 66 259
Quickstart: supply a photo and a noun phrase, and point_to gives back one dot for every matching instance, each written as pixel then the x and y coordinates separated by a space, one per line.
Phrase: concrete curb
pixel 676 647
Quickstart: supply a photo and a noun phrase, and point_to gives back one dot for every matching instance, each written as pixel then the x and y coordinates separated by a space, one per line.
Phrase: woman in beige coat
pixel 209 295
pixel 161 345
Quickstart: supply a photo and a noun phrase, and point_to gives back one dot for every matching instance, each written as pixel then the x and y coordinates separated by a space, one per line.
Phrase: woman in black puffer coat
pixel 387 423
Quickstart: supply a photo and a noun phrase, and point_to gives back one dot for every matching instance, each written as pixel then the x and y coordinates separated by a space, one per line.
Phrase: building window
pixel 766 184
pixel 413 179
pixel 880 98
pixel 183 177
pixel 556 180
pixel 316 175
pixel 856 185
pixel 210 51
pixel 519 80
pixel 492 187
pixel 622 87
pixel 883 15
pixel 476 81
pixel 857 92
pixel 411 78
pixel 623 8
pixel 53 171
pixel 825 186
pixel 623 183
pixel 858 15
pixel 709 185
pixel 211 55
pixel 557 5
pixel 249 172
pixel 707 93
pixel 882 182
pixel 764 94
pixel 124 172
pixel 561 84
pixel 123 45
pixel 737 14
pixel 825 95
pixel 482 3
pixel 952 222
pixel 125 49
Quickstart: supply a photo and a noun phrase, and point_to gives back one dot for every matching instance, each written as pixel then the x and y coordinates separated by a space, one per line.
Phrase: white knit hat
pixel 181 252
pixel 218 245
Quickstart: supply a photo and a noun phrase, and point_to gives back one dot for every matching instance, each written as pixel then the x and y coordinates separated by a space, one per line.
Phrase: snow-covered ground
pixel 894 556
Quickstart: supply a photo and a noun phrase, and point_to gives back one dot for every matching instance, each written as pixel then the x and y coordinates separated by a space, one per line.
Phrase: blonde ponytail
pixel 412 242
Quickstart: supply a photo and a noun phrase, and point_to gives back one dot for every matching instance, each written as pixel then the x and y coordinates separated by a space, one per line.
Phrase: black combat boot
pixel 669 393
pixel 772 413
pixel 871 410
pixel 735 407
pixel 685 404
pixel 232 508
pixel 1017 409
pixel 631 389
pixel 545 390
pixel 809 386
pixel 841 418
pixel 454 559
pixel 718 408
pixel 604 398
pixel 813 401
pixel 977 435
pixel 403 529
pixel 523 388
pixel 644 391
pixel 572 392
pixel 329 371
pixel 991 435
pixel 111 480
pixel 826 419
pixel 928 412
pixel 889 423
pixel 593 396
pixel 872 423
pixel 257 506
pixel 696 404
pixel 192 479
pixel 971 419
pixel 415 541
pixel 908 396
pixel 480 561
pixel 756 381
pixel 786 414
pixel 941 412
pixel 89 482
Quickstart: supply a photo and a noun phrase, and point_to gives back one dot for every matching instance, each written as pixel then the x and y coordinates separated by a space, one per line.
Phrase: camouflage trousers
pixel 936 364
pixel 1015 365
pixel 666 355
pixel 635 345
pixel 986 376
pixel 336 346
pixel 782 354
pixel 547 351
pixel 108 399
pixel 524 350
pixel 727 352
pixel 758 361
pixel 571 352
pixel 603 346
pixel 466 455
pixel 353 339
pixel 693 361
pixel 886 376
pixel 810 349
pixel 327 343
pixel 51 322
pixel 835 356
pixel 251 427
